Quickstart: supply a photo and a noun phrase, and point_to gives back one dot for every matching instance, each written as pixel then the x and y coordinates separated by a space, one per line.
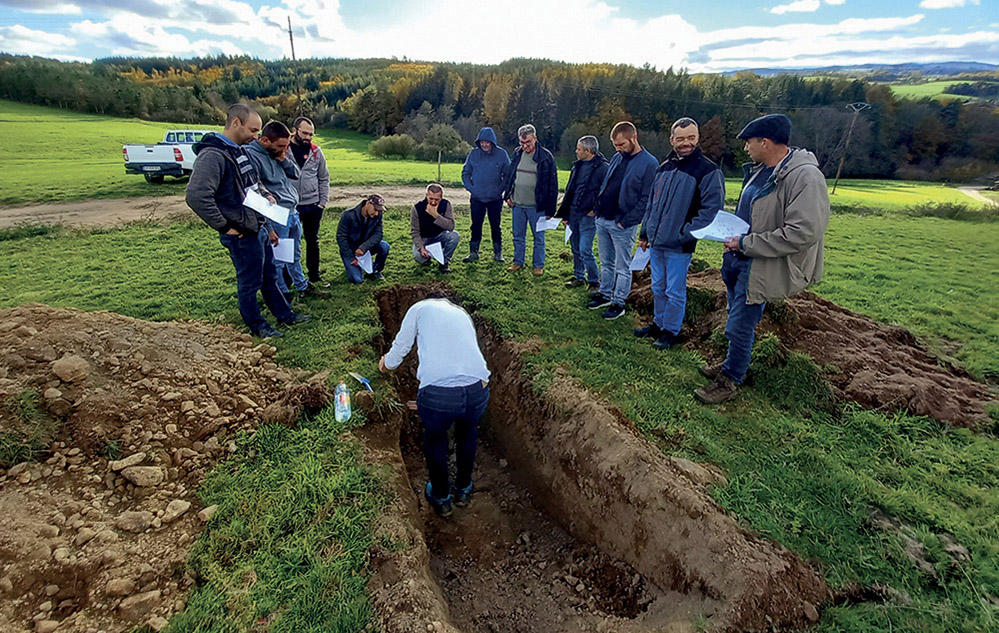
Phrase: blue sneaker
pixel 441 506
pixel 463 496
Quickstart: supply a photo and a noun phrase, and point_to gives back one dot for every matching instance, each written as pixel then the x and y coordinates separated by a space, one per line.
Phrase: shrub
pixel 393 146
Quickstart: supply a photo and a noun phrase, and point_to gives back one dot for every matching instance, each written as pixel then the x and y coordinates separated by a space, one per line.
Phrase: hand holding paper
pixel 436 251
pixel 725 225
pixel 568 234
pixel 285 250
pixel 641 259
pixel 547 225
pixel 364 261
pixel 264 206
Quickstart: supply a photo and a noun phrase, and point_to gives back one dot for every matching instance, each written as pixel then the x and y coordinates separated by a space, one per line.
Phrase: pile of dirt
pixel 577 524
pixel 96 534
pixel 876 365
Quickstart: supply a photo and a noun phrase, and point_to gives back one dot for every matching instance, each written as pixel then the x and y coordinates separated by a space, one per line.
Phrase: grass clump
pixel 26 431
pixel 290 540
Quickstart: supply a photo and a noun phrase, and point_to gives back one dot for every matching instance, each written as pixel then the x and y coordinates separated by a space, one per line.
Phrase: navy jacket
pixel 546 191
pixel 217 187
pixel 357 232
pixel 635 188
pixel 585 180
pixel 484 174
pixel 686 194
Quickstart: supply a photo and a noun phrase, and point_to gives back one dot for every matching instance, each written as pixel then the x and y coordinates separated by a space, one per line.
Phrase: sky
pixel 698 35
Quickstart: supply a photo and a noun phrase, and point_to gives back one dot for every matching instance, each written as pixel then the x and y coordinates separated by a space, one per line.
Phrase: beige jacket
pixel 790 216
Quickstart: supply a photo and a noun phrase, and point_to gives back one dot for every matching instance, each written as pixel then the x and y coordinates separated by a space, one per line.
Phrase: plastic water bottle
pixel 342 397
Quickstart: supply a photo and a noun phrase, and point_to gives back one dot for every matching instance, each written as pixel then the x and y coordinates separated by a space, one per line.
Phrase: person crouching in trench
pixel 454 390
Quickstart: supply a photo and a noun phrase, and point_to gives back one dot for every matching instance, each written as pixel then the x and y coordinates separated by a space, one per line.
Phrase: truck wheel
pixel 153 178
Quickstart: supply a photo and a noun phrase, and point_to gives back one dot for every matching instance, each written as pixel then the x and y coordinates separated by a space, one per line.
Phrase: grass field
pixel 930 89
pixel 800 474
pixel 77 156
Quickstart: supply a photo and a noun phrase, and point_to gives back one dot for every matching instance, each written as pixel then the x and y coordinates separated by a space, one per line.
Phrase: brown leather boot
pixel 721 390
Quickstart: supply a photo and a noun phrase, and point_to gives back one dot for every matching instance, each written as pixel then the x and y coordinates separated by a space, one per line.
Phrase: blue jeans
pixel 522 216
pixel 439 408
pixel 669 287
pixel 584 229
pixel 479 211
pixel 292 231
pixel 448 241
pixel 254 262
pixel 379 253
pixel 742 317
pixel 615 244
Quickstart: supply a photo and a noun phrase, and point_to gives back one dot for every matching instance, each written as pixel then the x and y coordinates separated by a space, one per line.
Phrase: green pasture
pixel 928 90
pixel 297 506
pixel 78 156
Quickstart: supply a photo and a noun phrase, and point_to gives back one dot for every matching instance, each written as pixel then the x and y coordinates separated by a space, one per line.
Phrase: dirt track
pixel 113 212
pixel 975 194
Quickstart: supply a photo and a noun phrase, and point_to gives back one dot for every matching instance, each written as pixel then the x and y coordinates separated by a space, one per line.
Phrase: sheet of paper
pixel 285 250
pixel 724 225
pixel 641 259
pixel 547 225
pixel 568 234
pixel 365 262
pixel 264 207
pixel 436 251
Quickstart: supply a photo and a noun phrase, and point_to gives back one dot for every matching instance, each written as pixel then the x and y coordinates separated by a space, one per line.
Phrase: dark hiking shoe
pixel 574 283
pixel 598 302
pixel 498 257
pixel 378 276
pixel 295 320
pixel 594 287
pixel 665 340
pixel 710 371
pixel 463 496
pixel 313 291
pixel 444 269
pixel 472 257
pixel 612 312
pixel 649 331
pixel 721 390
pixel 441 506
pixel 267 332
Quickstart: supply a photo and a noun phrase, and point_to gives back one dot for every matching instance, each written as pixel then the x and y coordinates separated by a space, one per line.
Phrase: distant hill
pixel 885 72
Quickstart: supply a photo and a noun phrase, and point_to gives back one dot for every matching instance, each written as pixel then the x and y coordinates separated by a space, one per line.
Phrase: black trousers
pixel 311 216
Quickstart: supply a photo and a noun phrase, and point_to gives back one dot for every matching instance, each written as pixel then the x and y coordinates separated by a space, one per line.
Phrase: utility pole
pixel 856 107
pixel 298 79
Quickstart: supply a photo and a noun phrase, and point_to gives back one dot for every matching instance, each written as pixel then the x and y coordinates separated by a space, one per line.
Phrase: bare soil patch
pixel 577 524
pixel 105 213
pixel 95 536
pixel 876 365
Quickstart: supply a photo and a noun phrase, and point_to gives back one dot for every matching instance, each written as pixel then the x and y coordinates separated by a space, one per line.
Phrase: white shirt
pixel 447 345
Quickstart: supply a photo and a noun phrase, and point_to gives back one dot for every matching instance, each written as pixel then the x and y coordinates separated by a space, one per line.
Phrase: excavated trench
pixel 577 523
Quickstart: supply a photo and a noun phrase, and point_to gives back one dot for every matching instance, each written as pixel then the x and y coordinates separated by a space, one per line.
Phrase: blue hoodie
pixel 484 174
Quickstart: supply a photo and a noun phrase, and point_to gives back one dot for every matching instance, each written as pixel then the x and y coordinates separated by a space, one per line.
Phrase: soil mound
pixel 876 365
pixel 95 535
pixel 578 524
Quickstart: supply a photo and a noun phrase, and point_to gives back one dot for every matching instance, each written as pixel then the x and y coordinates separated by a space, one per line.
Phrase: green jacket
pixel 790 216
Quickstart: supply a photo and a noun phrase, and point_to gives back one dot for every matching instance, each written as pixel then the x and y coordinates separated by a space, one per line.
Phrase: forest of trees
pixel 894 138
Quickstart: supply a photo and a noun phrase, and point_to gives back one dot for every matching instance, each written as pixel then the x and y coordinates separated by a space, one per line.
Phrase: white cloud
pixel 135 35
pixel 836 2
pixel 21 40
pixel 798 6
pixel 43 6
pixel 945 4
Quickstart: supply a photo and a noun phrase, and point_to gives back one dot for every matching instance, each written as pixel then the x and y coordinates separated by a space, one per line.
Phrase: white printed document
pixel 365 262
pixel 264 207
pixel 548 225
pixel 285 250
pixel 436 251
pixel 568 233
pixel 724 225
pixel 641 259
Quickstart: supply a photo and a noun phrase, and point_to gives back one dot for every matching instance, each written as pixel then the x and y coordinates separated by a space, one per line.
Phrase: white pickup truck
pixel 173 156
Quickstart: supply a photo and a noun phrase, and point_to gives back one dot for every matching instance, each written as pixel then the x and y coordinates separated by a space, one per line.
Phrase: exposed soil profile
pixel 876 365
pixel 95 535
pixel 577 524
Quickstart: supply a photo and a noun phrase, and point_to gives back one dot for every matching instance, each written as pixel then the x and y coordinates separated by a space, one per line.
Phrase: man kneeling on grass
pixel 454 390
pixel 360 232
pixel 432 222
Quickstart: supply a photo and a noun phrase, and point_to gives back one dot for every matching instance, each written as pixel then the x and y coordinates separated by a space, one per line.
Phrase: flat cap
pixel 775 127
